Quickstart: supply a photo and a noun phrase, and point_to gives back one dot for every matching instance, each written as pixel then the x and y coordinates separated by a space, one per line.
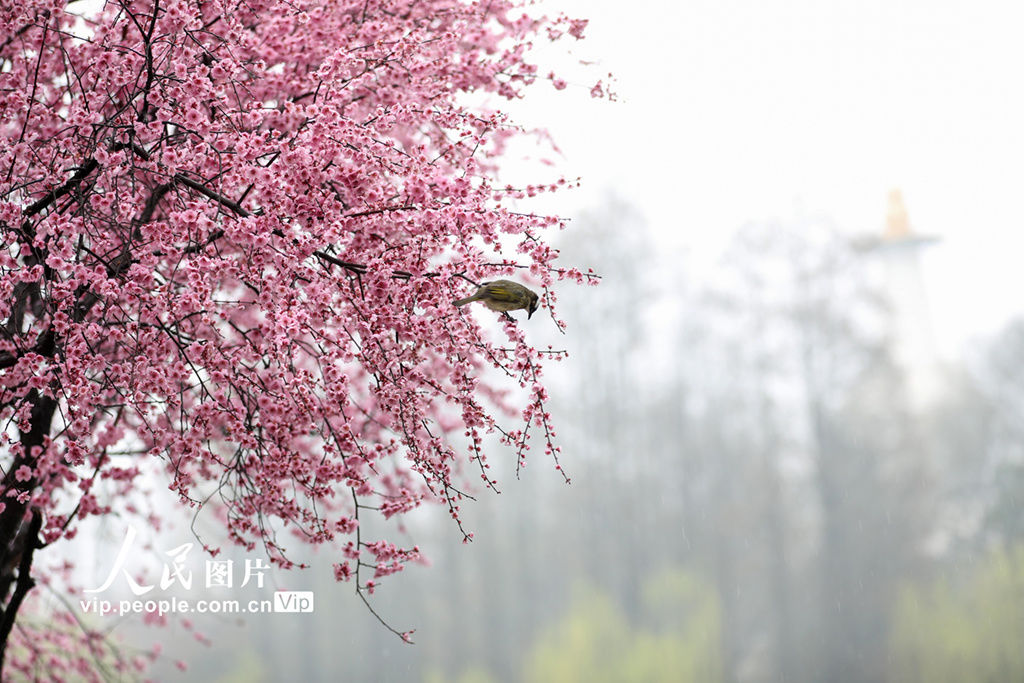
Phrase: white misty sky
pixel 738 110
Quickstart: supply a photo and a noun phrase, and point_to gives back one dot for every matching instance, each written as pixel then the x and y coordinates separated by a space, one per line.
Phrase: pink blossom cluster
pixel 232 233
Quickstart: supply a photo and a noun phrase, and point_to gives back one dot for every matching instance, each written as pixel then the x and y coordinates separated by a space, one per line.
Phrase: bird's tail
pixel 463 302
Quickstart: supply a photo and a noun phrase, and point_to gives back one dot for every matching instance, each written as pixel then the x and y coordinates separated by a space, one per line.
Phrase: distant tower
pixel 898 250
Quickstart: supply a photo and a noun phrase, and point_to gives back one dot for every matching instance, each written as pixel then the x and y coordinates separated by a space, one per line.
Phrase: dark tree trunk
pixel 20 525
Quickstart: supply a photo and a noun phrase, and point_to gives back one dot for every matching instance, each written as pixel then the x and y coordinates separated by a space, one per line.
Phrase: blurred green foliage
pixel 971 630
pixel 474 674
pixel 677 638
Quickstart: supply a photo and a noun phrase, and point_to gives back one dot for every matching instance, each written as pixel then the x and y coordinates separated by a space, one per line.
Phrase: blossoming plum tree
pixel 231 234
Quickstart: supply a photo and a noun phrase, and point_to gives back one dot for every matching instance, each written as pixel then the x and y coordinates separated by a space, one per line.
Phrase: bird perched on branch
pixel 504 296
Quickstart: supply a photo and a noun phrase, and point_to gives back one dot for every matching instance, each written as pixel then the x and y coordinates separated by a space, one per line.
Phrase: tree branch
pixel 56 193
pixel 207 192
pixel 240 211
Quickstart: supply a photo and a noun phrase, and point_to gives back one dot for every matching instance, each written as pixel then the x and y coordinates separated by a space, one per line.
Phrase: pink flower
pixel 193 117
pixel 342 571
pixel 576 27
